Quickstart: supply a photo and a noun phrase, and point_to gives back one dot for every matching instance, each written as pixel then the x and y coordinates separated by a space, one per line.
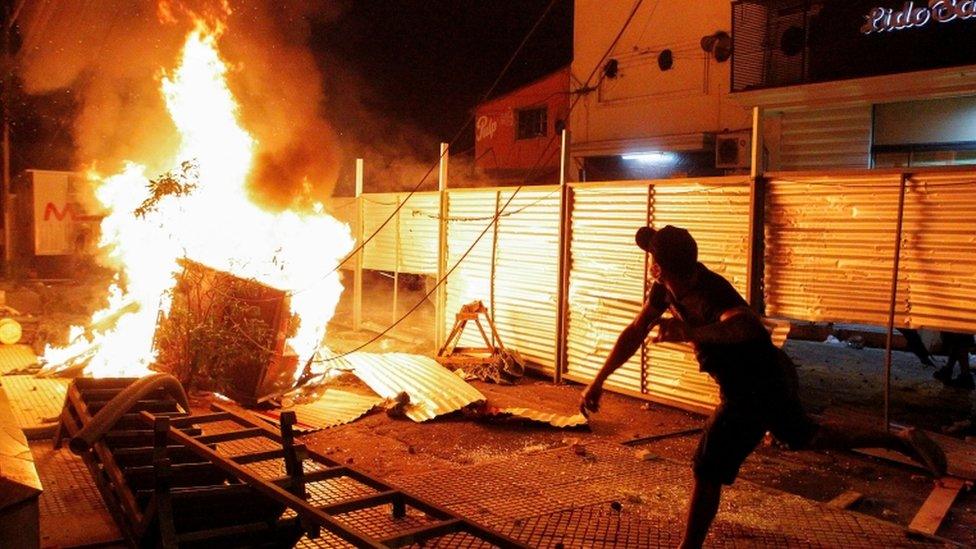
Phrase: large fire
pixel 215 224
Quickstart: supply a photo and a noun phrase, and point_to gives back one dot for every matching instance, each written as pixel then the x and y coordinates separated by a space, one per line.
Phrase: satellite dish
pixel 719 44
pixel 723 46
pixel 708 43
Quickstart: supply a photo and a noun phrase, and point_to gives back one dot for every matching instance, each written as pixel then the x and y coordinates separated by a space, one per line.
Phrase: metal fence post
pixel 565 239
pixel 645 349
pixel 891 303
pixel 494 262
pixel 357 299
pixel 755 265
pixel 441 301
pixel 396 260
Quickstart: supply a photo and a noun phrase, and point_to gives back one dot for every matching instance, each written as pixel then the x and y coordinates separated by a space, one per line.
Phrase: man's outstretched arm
pixel 627 343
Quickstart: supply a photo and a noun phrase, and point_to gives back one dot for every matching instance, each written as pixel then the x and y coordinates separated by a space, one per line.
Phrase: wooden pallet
pixel 165 495
pixel 303 470
pixel 226 478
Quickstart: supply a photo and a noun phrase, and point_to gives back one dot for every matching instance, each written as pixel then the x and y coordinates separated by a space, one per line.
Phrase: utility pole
pixel 9 16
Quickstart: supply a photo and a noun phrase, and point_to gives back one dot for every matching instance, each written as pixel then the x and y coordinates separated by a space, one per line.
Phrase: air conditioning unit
pixel 733 150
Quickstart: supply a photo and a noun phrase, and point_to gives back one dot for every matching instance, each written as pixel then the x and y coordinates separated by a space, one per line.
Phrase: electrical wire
pixel 647 24
pixel 494 220
pixel 430 170
pixel 453 140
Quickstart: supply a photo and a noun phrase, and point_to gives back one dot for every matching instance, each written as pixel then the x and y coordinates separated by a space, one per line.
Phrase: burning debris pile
pixel 207 280
pixel 211 284
pixel 226 334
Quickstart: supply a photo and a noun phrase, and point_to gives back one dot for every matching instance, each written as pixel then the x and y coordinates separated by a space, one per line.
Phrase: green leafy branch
pixel 177 183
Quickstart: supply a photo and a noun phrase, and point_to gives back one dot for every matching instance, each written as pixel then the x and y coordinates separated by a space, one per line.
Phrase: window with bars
pixel 531 123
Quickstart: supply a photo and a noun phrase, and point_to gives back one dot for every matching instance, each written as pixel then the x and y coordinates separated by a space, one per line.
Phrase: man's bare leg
pixel 701 512
pixel 910 442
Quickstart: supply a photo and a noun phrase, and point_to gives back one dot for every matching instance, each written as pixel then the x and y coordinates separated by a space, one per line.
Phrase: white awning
pixel 950 82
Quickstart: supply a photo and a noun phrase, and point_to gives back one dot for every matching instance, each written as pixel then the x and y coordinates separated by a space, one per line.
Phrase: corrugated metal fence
pixel 829 244
pixel 408 241
pixel 608 281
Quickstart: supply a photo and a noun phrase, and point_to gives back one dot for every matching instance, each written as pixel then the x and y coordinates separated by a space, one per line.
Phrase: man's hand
pixel 672 329
pixel 590 399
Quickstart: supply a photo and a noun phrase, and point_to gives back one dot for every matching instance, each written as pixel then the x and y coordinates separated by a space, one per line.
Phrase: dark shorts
pixel 739 424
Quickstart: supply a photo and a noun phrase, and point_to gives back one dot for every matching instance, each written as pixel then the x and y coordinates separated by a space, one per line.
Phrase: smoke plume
pixel 114 52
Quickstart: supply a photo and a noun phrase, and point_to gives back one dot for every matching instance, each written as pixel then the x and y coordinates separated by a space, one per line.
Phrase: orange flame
pixel 215 225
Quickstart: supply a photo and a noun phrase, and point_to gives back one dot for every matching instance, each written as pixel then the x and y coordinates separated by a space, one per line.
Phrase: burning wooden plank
pixel 227 334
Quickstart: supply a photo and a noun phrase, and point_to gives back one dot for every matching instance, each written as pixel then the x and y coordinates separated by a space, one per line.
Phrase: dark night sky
pixel 430 62
pixel 395 72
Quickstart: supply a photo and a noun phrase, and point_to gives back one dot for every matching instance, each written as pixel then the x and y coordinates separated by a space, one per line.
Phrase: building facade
pixel 517 134
pixel 654 102
pixel 858 83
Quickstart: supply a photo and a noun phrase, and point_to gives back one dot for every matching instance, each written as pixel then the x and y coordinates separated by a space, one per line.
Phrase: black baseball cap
pixel 673 248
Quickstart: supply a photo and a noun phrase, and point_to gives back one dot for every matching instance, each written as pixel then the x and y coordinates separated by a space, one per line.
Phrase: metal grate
pixel 14 358
pixel 35 402
pixel 71 509
pixel 595 526
pixel 68 488
pixel 608 498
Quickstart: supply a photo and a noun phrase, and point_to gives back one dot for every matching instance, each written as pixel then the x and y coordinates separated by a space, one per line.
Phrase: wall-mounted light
pixel 651 157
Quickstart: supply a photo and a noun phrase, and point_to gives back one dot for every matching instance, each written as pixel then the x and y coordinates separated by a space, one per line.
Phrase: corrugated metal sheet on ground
pixel 36 402
pixel 334 407
pixel 606 286
pixel 527 274
pixel 556 420
pixel 830 245
pixel 470 212
pixel 14 358
pixel 826 138
pixel 434 390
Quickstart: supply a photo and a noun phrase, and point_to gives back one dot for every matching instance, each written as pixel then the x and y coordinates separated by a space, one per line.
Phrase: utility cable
pixel 453 140
pixel 440 157
pixel 494 219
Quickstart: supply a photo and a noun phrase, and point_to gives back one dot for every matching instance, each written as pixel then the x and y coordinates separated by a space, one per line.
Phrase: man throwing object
pixel 757 380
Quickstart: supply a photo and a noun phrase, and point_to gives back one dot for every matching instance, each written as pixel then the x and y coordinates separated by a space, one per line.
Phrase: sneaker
pixel 964 381
pixel 924 450
pixel 943 374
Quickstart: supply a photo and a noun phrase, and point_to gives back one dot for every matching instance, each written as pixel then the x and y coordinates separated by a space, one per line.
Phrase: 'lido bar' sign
pixel 942 11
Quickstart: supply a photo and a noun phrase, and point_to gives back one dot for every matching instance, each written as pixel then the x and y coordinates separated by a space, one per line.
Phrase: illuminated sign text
pixel 941 11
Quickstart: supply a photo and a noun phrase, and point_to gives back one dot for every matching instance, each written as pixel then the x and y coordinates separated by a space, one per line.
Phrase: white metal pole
pixel 441 301
pixel 357 300
pixel 757 218
pixel 396 261
pixel 562 295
